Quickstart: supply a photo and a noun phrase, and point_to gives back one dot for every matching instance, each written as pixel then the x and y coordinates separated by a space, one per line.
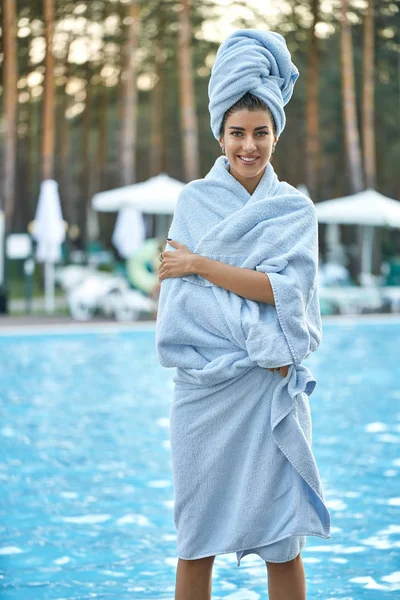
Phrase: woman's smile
pixel 248 160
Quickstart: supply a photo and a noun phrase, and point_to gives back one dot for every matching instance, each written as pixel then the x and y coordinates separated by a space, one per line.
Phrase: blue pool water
pixel 85 476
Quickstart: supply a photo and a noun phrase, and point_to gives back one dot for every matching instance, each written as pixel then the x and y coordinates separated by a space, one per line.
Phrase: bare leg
pixel 286 581
pixel 193 579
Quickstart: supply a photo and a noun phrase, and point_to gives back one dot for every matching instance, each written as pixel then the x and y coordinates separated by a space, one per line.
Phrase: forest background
pixel 104 93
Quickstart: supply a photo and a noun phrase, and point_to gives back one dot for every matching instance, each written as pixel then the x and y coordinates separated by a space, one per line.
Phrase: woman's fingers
pixel 282 370
pixel 176 263
pixel 174 243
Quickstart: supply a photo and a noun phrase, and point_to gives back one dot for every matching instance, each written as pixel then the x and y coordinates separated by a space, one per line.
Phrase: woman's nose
pixel 249 144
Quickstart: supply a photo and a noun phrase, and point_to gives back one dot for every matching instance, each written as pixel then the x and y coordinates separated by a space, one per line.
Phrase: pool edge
pixel 75 328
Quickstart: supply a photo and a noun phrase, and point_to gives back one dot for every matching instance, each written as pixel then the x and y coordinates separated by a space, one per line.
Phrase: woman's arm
pixel 243 282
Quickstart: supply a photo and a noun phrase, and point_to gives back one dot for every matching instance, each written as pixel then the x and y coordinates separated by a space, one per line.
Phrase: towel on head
pixel 245 477
pixel 252 61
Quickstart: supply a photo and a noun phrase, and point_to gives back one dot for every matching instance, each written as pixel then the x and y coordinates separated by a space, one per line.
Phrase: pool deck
pixel 25 325
pixel 54 324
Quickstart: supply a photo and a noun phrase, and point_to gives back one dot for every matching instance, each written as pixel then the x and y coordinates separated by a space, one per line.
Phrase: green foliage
pixel 89 39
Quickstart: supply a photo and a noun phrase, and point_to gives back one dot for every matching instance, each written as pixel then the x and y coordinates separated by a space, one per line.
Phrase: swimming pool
pixel 86 495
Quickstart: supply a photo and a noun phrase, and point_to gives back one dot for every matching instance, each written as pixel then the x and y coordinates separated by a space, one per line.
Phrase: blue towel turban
pixel 255 61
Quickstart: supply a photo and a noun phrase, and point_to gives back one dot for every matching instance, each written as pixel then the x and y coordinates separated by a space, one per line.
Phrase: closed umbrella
pixel 2 261
pixel 129 232
pixel 49 233
pixel 3 298
pixel 368 209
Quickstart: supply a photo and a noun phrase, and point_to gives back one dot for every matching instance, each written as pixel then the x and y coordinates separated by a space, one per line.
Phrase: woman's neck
pixel 250 184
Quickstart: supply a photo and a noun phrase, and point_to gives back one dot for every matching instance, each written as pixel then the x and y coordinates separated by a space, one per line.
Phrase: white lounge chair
pixel 353 300
pixel 108 295
pixel 87 298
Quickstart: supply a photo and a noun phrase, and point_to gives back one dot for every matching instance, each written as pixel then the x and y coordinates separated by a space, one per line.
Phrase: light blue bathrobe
pixel 245 477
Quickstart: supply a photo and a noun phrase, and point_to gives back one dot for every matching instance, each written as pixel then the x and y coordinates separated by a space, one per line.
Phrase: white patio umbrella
pixel 129 232
pixel 368 209
pixel 157 195
pixel 49 232
pixel 2 233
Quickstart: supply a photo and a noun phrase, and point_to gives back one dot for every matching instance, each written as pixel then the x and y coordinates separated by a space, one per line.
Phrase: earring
pixel 273 148
pixel 222 149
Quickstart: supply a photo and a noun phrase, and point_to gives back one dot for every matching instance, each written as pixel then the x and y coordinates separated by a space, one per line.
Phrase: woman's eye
pixel 258 133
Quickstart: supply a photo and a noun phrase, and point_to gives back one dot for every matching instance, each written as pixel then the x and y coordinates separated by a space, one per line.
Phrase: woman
pixel 238 313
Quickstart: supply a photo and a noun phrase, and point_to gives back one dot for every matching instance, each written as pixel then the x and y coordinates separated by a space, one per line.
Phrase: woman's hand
pixel 176 263
pixel 282 370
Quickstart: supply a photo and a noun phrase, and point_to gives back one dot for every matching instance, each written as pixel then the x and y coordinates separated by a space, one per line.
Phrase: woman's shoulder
pixel 199 189
pixel 195 184
pixel 190 193
pixel 286 189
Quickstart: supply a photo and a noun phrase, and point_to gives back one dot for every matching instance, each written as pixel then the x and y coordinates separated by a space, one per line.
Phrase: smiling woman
pixel 238 313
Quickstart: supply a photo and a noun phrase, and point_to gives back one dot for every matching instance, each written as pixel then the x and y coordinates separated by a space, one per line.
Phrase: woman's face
pixel 248 139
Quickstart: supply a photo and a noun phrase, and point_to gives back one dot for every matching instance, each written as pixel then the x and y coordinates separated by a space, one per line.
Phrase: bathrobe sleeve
pixel 174 343
pixel 295 286
pixel 296 330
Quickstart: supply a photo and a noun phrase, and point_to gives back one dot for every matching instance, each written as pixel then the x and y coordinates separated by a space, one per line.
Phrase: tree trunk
pixel 49 95
pixel 29 150
pixel 86 174
pixel 63 167
pixel 102 137
pixel 23 212
pixel 368 99
pixel 10 76
pixel 352 137
pixel 34 151
pixel 189 125
pixel 313 146
pixel 129 97
pixel 157 138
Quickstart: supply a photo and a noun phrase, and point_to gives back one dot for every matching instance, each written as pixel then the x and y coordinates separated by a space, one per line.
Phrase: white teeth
pixel 248 159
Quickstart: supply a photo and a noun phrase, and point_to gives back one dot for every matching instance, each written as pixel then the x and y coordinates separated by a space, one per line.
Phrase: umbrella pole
pixel 49 286
pixel 3 291
pixel 367 236
pixel 332 241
